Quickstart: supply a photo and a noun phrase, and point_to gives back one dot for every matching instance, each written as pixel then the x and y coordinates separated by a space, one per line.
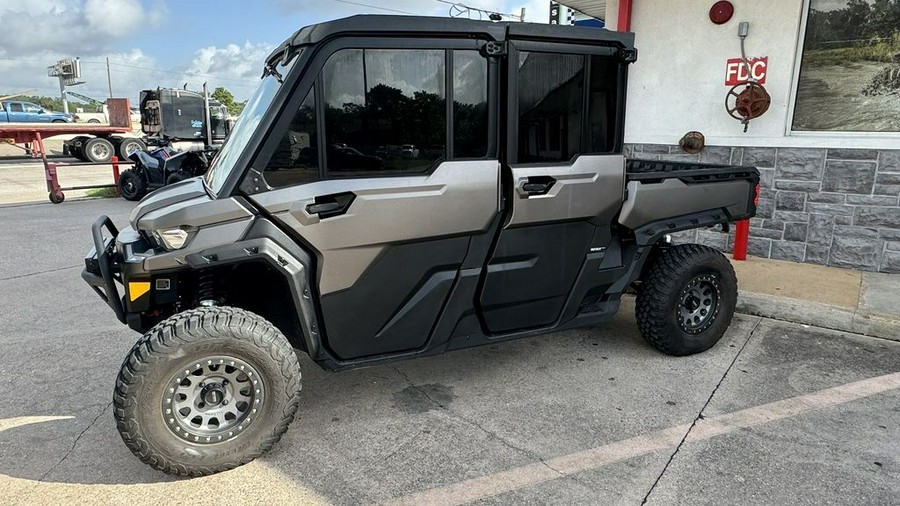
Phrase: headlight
pixel 171 239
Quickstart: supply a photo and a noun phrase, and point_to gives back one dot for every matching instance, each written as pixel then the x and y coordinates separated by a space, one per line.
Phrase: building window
pixel 296 160
pixel 385 111
pixel 551 101
pixel 850 70
pixel 470 112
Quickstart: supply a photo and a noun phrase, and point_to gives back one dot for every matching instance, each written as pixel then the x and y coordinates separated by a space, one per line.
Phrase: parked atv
pixel 522 218
pixel 158 168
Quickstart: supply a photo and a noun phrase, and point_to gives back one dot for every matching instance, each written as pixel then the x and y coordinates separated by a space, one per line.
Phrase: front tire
pixel 687 299
pixel 207 390
pixel 132 185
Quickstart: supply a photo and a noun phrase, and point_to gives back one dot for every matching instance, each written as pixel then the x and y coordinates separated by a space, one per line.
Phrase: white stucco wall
pixel 677 84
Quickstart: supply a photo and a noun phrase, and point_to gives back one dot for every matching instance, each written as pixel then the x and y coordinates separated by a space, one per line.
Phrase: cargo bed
pixel 659 190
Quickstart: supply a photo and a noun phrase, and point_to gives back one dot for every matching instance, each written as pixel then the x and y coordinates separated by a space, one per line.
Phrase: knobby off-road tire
pixel 164 363
pixel 132 185
pixel 687 299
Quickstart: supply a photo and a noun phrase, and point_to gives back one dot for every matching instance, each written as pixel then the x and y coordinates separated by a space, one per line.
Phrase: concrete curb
pixel 818 315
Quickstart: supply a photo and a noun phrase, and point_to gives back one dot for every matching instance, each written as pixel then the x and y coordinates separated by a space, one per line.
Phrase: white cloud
pixel 92 26
pixel 235 67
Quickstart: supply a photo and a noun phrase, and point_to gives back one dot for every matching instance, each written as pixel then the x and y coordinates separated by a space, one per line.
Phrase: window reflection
pixel 385 111
pixel 470 113
pixel 296 160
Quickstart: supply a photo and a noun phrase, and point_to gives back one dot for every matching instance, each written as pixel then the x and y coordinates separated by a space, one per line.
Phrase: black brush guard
pixel 100 266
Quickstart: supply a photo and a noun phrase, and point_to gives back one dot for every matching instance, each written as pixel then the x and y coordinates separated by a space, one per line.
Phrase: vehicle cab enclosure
pixel 402 186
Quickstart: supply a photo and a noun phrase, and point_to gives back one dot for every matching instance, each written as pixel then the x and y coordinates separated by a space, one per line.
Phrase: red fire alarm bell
pixel 721 12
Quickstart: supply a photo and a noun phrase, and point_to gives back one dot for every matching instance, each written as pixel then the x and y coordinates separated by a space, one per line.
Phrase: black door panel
pixel 531 274
pixel 394 304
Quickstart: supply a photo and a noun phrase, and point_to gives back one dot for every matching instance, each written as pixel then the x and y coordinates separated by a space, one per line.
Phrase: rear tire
pixel 132 185
pixel 175 382
pixel 78 151
pixel 98 150
pixel 129 145
pixel 687 299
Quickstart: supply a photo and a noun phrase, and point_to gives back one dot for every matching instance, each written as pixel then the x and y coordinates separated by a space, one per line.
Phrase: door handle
pixel 327 206
pixel 538 185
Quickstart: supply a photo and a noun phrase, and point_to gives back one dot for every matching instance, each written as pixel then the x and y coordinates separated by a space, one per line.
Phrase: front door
pixel 565 186
pixel 16 112
pixel 373 177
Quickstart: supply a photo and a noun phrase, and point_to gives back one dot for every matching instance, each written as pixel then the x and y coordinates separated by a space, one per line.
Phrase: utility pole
pixel 108 77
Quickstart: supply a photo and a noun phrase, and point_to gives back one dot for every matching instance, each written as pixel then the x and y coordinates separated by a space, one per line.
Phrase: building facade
pixel 828 147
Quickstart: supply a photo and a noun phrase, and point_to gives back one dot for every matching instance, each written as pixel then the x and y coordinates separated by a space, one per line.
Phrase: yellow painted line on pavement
pixel 513 479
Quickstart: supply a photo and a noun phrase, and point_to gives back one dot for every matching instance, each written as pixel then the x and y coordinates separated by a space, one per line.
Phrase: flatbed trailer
pixel 32 136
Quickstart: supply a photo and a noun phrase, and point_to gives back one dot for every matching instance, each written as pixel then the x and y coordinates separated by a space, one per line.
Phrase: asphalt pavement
pixel 776 413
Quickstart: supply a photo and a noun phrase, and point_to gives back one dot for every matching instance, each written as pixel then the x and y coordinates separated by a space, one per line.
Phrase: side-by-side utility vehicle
pixel 398 187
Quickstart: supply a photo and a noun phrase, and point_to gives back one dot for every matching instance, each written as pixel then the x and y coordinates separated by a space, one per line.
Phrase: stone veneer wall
pixel 837 207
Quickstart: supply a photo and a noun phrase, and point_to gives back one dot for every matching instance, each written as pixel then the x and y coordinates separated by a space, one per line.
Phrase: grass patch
pixel 106 193
pixel 880 52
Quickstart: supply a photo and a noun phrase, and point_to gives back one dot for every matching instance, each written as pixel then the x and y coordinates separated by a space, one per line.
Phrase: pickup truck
pixel 525 219
pixel 102 117
pixel 13 111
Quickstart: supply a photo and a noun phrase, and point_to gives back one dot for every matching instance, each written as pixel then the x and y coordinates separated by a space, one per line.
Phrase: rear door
pixel 390 227
pixel 566 180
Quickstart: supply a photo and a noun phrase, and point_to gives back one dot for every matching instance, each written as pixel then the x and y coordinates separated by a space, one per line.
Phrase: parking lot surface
pixel 776 413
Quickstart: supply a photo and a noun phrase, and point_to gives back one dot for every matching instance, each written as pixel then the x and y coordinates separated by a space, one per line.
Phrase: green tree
pixel 226 98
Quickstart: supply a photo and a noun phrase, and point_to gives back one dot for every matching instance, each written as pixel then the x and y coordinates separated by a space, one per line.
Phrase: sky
pixel 168 43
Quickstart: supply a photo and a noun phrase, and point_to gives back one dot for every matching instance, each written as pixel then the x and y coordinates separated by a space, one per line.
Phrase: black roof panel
pixel 443 26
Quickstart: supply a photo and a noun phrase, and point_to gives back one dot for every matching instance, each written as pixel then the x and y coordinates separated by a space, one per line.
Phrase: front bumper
pixel 101 267
pixel 117 261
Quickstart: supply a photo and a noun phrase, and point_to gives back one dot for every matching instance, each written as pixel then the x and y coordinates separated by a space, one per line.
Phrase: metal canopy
pixel 594 8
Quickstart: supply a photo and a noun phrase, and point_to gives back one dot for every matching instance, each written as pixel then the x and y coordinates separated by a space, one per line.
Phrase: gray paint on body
pixel 671 197
pixel 458 198
pixel 591 186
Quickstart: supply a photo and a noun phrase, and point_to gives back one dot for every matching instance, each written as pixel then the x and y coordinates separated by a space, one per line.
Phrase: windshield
pixel 257 105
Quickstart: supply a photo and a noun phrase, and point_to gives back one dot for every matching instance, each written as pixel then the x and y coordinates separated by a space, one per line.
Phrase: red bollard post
pixel 115 167
pixel 741 235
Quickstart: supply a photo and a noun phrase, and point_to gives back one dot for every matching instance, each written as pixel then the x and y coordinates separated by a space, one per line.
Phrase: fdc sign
pixel 736 70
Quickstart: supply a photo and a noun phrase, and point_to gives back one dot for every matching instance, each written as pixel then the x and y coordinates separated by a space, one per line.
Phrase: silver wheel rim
pixel 213 399
pixel 100 150
pixel 130 148
pixel 698 304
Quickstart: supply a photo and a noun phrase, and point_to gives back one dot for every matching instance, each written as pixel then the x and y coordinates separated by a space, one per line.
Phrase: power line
pixel 388 9
pixel 458 9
